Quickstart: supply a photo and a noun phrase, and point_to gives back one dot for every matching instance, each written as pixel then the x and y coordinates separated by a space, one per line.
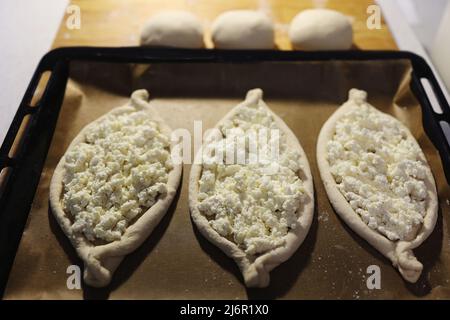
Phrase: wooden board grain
pixel 118 22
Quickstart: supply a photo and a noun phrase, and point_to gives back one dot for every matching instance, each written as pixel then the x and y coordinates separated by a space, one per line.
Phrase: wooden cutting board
pixel 118 22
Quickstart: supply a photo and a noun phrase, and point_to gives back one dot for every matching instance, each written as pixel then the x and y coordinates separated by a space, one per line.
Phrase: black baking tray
pixel 17 193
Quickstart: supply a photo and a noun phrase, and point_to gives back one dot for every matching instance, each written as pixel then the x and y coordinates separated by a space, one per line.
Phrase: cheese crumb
pixel 252 203
pixel 378 168
pixel 115 175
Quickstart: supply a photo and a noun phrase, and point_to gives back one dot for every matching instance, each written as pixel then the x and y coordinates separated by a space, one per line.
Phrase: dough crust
pixel 321 29
pixel 178 29
pixel 399 252
pixel 242 29
pixel 256 271
pixel 100 261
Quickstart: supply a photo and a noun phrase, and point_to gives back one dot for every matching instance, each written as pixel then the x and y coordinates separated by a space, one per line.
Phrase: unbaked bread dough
pixel 180 29
pixel 242 29
pixel 321 29
pixel 400 251
pixel 255 268
pixel 102 258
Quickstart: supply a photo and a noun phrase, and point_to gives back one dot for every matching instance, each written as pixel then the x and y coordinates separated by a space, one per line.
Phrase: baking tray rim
pixel 26 171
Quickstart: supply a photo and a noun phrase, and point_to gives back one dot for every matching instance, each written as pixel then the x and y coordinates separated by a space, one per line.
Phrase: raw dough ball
pixel 242 29
pixel 179 29
pixel 321 29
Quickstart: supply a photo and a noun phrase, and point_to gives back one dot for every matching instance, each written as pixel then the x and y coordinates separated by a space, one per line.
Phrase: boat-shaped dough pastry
pixel 114 184
pixel 378 180
pixel 254 201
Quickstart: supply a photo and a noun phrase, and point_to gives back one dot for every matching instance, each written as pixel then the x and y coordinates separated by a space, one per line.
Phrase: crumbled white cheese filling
pixel 115 175
pixel 377 167
pixel 252 203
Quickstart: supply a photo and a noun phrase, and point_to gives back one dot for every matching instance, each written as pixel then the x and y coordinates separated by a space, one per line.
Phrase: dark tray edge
pixel 18 192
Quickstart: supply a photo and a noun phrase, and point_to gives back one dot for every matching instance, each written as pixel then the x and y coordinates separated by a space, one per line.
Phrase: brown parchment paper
pixel 176 262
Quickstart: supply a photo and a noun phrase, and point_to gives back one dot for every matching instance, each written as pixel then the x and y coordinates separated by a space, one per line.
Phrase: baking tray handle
pixel 25 166
pixel 25 108
pixel 436 120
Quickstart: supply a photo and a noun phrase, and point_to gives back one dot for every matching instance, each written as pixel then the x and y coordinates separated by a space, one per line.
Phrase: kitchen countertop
pixel 118 23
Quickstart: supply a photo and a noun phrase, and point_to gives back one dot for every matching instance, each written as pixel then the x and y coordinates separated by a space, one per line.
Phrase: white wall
pixel 430 22
pixel 440 47
pixel 27 29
